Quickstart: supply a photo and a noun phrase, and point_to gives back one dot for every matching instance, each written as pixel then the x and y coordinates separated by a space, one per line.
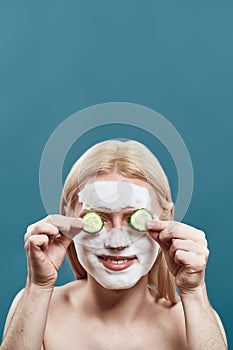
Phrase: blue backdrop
pixel 176 57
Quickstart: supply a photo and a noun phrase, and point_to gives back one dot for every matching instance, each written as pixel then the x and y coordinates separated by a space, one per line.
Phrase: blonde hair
pixel 133 160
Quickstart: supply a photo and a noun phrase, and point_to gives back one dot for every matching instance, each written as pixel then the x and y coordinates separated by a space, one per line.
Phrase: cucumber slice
pixel 93 222
pixel 139 218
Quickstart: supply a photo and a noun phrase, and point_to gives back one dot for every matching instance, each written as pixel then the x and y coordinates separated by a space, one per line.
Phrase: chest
pixel 80 335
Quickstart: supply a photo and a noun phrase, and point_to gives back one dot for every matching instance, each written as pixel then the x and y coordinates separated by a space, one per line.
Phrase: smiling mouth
pixel 117 263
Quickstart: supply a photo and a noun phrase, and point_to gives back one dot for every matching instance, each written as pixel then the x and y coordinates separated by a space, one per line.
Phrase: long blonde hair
pixel 133 160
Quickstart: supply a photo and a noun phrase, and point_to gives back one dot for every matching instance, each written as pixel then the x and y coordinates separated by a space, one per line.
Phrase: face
pixel 118 256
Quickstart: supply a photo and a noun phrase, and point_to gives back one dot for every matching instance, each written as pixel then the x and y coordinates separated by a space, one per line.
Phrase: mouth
pixel 117 263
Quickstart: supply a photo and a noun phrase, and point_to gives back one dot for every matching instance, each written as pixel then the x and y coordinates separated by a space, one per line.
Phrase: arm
pixel 203 326
pixel 26 321
pixel 186 253
pixel 46 249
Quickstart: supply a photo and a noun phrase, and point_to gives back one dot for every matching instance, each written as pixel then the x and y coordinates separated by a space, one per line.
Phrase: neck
pixel 122 305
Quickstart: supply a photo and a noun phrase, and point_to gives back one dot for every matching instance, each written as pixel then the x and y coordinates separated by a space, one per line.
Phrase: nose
pixel 117 239
pixel 116 221
pixel 119 248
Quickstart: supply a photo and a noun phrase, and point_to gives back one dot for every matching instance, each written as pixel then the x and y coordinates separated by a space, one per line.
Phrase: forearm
pixel 202 327
pixel 27 326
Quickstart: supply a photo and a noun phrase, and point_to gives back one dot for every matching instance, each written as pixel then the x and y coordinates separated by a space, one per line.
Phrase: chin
pixel 117 285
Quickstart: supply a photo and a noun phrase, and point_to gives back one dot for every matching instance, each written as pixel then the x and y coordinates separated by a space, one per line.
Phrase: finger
pixel 36 244
pixel 154 235
pixel 157 225
pixel 69 226
pixel 62 240
pixel 191 261
pixel 188 246
pixel 175 229
pixel 183 233
pixel 41 227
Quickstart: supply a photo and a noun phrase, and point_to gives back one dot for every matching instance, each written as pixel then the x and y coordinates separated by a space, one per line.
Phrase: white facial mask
pixel 113 238
pixel 113 196
pixel 144 249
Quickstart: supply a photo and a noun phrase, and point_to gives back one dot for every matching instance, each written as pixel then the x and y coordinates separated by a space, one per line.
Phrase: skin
pixel 85 315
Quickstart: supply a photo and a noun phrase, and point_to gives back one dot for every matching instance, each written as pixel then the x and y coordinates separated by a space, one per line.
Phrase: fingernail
pixel 150 224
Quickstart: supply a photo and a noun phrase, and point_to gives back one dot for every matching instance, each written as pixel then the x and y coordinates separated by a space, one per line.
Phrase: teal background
pixel 176 57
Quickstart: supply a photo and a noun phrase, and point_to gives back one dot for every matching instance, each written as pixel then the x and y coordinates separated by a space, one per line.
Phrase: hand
pixel 185 250
pixel 46 242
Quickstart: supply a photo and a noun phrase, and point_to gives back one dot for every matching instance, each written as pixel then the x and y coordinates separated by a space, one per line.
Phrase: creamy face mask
pixel 118 269
pixel 113 238
pixel 117 257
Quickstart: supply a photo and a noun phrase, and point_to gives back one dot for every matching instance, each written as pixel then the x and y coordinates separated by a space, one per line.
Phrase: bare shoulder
pixel 63 314
pixel 173 321
pixel 69 288
pixel 64 295
pixel 175 311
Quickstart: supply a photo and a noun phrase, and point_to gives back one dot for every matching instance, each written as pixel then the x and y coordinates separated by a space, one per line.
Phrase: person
pixel 125 292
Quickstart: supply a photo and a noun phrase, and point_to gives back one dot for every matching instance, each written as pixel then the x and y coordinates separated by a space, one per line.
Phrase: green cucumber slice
pixel 138 219
pixel 93 222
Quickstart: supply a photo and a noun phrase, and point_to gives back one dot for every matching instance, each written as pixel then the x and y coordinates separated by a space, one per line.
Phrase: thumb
pixel 68 226
pixel 154 235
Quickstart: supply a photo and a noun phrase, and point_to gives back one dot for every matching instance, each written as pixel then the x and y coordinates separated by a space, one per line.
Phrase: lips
pixel 117 263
